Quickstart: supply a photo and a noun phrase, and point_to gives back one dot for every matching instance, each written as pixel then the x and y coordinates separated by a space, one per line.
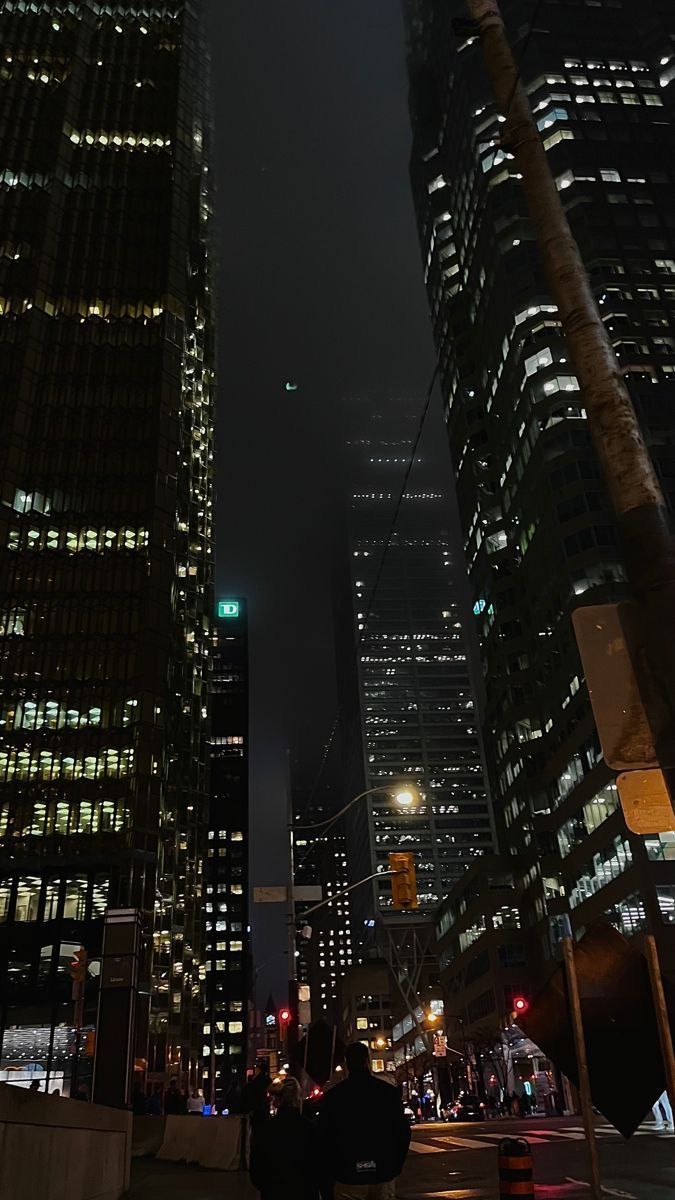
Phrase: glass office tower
pixel 407 704
pixel 227 940
pixel 106 367
pixel 539 535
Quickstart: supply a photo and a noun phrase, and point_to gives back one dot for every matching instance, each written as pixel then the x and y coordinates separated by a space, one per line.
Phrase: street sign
pixel 622 1041
pixel 645 802
pixel 279 895
pixel 303 893
pixel 270 895
pixel 440 1045
pixel 609 646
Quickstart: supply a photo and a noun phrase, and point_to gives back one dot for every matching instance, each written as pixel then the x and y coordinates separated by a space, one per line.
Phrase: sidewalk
pixel 153 1180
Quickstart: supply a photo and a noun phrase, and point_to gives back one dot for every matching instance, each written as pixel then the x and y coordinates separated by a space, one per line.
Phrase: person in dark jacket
pixel 364 1132
pixel 256 1098
pixel 285 1158
pixel 173 1101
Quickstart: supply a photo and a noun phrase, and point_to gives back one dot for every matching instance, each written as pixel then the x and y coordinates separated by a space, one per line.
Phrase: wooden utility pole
pixel 630 479
pixel 662 1019
pixel 582 1063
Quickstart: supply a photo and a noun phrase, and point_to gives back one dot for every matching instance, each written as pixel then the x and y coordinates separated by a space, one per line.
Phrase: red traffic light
pixel 78 966
pixel 520 1004
pixel 284 1016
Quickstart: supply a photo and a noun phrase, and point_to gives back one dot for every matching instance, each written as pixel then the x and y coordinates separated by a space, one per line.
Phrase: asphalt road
pixel 459 1162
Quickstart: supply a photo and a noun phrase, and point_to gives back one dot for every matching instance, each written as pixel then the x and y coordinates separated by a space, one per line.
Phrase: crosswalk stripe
pixel 424 1148
pixel 463 1143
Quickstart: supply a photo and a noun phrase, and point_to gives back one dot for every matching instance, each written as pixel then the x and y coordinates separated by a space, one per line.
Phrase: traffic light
pixel 403 881
pixel 284 1017
pixel 520 1005
pixel 78 966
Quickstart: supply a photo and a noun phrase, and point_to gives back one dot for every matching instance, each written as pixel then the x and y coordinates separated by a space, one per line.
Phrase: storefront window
pixel 5 893
pixel 27 900
pixel 75 905
pixel 52 899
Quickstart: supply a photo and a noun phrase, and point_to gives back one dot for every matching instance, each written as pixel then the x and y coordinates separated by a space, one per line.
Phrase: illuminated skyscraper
pixel 538 530
pixel 227 943
pixel 106 366
pixel 406 700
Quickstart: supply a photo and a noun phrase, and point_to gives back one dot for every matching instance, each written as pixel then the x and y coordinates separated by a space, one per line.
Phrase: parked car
pixel 466 1108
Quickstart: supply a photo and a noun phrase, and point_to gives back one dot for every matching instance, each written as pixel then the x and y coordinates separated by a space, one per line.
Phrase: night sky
pixel 320 284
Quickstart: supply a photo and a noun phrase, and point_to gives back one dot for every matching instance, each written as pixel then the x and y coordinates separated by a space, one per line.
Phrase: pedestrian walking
pixel 195 1104
pixel 660 1110
pixel 285 1154
pixel 364 1132
pixel 155 1102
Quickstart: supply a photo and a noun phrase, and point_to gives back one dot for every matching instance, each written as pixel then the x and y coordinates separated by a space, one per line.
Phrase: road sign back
pixel 645 802
pixel 622 1043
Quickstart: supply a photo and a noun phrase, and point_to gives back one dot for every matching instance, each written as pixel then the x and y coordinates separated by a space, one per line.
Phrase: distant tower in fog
pixel 406 700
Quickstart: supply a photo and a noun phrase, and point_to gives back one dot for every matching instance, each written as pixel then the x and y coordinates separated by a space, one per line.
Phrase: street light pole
pixel 399 793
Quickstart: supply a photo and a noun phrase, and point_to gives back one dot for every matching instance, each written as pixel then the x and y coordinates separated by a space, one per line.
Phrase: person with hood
pixel 285 1159
pixel 364 1132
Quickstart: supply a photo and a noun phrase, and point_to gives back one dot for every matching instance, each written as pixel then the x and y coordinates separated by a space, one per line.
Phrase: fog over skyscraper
pixel 407 704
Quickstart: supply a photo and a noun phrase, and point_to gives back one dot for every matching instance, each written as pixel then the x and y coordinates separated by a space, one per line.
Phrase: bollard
pixel 515 1169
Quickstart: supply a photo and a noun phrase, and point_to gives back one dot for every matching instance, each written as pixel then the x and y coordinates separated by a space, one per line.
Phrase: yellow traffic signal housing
pixel 78 966
pixel 403 881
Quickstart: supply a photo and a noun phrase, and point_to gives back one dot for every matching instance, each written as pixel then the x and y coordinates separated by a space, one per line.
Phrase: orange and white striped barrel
pixel 515 1169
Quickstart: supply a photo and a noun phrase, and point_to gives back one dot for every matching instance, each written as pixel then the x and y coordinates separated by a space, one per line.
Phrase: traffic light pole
pixel 582 1063
pixel 630 479
pixel 662 1018
pixel 78 1015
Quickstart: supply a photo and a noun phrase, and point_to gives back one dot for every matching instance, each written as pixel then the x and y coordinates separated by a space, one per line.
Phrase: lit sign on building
pixel 228 608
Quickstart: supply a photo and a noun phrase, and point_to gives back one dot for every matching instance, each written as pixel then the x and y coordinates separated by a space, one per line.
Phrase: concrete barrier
pixel 58 1149
pixel 147 1137
pixel 219 1143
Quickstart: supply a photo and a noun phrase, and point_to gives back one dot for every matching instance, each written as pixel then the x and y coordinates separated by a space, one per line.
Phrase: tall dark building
pixel 406 699
pixel 227 944
pixel 325 957
pixel 106 366
pixel 538 532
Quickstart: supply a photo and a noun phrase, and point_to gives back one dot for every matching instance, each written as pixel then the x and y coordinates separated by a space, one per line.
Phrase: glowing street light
pixel 407 798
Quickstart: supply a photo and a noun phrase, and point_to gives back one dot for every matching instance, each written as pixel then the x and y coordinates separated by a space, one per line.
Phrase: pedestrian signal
pixel 403 881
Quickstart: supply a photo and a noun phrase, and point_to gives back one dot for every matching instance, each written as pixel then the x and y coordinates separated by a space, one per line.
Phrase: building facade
pixel 325 955
pixel 106 350
pixel 368 1011
pixel 227 950
pixel 408 709
pixel 539 535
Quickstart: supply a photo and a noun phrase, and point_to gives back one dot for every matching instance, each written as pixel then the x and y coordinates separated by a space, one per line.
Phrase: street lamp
pixel 405 795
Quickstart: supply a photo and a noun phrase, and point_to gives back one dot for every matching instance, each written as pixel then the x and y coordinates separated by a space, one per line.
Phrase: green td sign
pixel 228 608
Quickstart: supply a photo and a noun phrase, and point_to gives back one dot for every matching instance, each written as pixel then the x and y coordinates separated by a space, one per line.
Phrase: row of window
pixel 76 540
